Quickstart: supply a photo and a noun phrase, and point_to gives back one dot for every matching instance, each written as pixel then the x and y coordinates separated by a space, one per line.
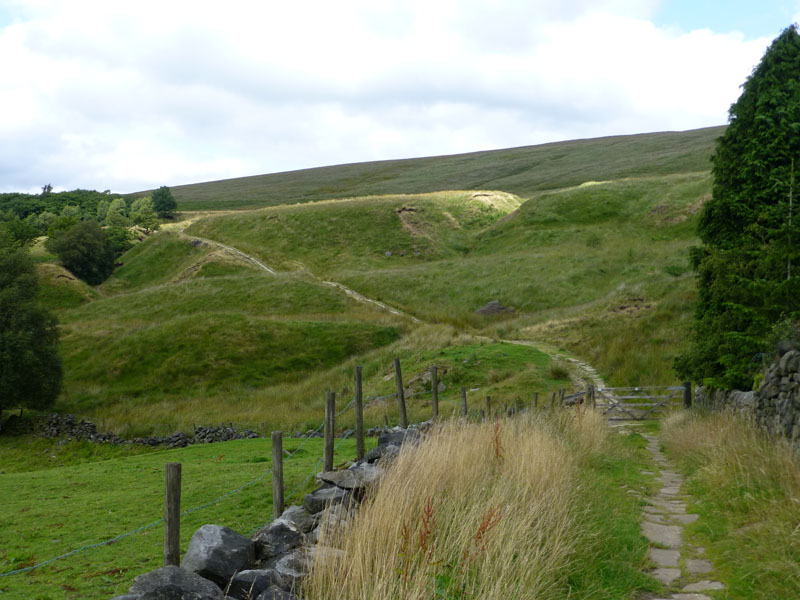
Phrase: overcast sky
pixel 130 96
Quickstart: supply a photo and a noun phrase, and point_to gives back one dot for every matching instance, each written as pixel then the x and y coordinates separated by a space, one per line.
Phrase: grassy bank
pixel 748 495
pixel 526 508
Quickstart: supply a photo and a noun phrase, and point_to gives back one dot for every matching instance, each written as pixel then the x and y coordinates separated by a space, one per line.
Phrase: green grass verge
pixel 613 553
pixel 747 491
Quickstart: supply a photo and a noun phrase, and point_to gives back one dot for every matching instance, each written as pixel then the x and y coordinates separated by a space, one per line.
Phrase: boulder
pixel 217 553
pixel 292 567
pixel 789 362
pixel 301 518
pixel 384 453
pixel 354 478
pixel 276 538
pixel 316 501
pixel 246 585
pixel 494 308
pixel 174 583
pixel 332 520
pixel 398 436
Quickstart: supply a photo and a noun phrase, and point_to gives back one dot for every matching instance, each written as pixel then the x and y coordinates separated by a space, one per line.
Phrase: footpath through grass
pixel 51 511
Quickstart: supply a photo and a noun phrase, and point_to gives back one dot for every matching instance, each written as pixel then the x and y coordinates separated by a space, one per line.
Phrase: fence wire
pixel 183 513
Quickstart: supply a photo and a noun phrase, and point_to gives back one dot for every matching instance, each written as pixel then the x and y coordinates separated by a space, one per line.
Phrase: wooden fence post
pixel 172 515
pixel 489 406
pixel 435 391
pixel 359 417
pixel 277 473
pixel 330 423
pixel 536 400
pixel 591 396
pixel 401 394
pixel 464 401
pixel 687 394
pixel 553 400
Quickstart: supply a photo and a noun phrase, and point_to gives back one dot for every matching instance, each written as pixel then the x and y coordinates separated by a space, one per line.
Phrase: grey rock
pixel 664 535
pixel 292 567
pixel 333 520
pixel 127 597
pixel 317 501
pixel 276 538
pixel 301 518
pixel 698 566
pixel 494 308
pixel 217 553
pixel 789 362
pixel 379 452
pixel 703 586
pixel 398 436
pixel 354 478
pixel 665 558
pixel 276 593
pixel 174 583
pixel 666 575
pixel 249 584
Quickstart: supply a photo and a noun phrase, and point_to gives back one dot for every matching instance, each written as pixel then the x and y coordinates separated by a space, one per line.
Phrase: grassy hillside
pixel 520 171
pixel 600 269
pixel 188 329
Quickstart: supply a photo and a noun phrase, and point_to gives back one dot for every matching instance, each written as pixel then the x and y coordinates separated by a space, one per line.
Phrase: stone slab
pixel 665 558
pixel 666 575
pixel 664 535
pixel 703 586
pixel 698 566
pixel 685 519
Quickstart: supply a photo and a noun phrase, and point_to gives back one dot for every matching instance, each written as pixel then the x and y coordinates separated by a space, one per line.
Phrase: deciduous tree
pixel 30 367
pixel 85 251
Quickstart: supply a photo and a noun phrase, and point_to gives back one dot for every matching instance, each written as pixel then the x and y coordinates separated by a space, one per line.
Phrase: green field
pixel 51 511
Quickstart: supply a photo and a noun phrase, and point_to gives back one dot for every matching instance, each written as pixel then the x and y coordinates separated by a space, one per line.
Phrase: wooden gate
pixel 638 403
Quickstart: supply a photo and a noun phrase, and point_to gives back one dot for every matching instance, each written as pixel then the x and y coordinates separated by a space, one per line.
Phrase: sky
pixel 131 96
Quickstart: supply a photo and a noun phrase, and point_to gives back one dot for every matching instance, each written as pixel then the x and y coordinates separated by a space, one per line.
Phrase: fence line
pixel 260 478
pixel 161 520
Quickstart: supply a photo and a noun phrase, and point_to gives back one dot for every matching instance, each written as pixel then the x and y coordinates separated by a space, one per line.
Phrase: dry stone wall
pixel 774 406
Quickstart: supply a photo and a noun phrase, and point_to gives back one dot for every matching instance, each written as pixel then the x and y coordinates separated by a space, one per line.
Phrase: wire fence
pixel 290 496
pixel 189 511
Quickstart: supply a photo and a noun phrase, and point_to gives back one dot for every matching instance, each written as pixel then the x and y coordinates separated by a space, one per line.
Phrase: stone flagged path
pixel 679 566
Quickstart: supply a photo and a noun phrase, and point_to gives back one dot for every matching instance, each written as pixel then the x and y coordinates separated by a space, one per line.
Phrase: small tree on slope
pixel 744 277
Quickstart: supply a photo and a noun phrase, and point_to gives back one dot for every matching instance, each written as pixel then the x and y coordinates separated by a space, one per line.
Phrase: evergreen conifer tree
pixel 750 241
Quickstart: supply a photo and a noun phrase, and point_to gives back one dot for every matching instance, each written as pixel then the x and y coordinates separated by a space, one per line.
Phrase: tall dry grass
pixel 725 448
pixel 476 511
pixel 748 490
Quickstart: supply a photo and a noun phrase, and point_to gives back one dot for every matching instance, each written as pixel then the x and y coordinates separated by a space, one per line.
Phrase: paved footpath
pixel 680 566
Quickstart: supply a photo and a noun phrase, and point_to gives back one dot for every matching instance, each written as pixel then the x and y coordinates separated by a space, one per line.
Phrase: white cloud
pixel 103 95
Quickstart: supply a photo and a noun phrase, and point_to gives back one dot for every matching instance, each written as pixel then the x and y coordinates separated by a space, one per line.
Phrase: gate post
pixel 687 394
